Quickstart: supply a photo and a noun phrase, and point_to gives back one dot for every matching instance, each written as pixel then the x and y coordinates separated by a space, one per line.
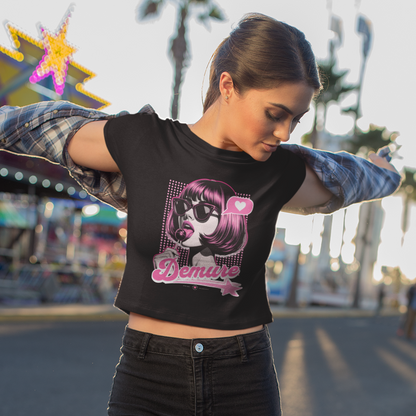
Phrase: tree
pixel 363 143
pixel 371 140
pixel 205 10
pixel 334 89
pixel 408 190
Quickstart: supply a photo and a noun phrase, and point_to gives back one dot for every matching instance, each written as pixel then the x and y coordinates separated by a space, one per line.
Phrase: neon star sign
pixel 25 59
pixel 55 61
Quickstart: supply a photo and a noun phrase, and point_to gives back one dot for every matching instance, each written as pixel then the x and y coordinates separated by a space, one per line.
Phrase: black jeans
pixel 213 376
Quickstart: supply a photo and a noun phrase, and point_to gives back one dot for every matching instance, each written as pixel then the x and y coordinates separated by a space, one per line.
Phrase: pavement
pixel 326 367
pixel 107 312
pixel 55 312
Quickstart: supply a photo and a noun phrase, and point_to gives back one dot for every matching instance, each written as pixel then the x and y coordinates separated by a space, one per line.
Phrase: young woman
pixel 203 200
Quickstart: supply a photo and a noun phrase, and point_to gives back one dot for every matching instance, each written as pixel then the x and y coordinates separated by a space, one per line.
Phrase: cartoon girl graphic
pixel 197 220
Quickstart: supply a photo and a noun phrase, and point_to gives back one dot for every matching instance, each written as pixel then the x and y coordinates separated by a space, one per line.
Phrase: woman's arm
pixel 45 129
pixel 313 194
pixel 88 148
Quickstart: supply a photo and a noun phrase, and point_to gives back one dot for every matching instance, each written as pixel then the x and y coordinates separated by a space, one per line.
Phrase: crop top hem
pixel 185 319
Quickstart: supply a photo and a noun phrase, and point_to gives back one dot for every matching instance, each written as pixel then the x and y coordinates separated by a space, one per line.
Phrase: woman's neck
pixel 210 127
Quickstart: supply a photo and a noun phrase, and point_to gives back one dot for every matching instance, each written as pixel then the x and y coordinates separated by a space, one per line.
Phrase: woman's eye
pixel 272 117
pixel 295 122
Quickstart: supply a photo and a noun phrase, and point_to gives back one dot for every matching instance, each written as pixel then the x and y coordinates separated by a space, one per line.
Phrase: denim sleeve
pixel 351 179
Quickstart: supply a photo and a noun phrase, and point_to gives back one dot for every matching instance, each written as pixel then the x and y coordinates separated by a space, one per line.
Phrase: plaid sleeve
pixel 44 130
pixel 351 179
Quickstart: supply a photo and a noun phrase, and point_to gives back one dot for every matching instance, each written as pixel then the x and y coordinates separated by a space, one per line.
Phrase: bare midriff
pixel 171 329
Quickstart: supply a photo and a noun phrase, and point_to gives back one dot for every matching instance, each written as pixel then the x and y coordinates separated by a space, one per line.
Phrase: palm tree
pixel 374 139
pixel 205 10
pixel 363 143
pixel 334 89
pixel 371 140
pixel 408 190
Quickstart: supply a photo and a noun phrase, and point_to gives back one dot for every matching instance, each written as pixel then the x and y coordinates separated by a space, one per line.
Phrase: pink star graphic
pixel 230 288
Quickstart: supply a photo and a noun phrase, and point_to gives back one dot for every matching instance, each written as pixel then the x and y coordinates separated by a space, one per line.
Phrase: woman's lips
pixel 270 147
pixel 187 227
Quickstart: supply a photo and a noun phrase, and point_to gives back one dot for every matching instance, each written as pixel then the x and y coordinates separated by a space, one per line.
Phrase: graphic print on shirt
pixel 204 233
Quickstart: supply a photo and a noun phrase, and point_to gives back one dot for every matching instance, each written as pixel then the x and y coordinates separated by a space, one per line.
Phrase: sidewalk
pixel 328 312
pixel 76 312
pixel 108 312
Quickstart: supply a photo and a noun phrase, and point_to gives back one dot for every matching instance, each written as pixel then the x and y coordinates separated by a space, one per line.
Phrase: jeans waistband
pixel 243 344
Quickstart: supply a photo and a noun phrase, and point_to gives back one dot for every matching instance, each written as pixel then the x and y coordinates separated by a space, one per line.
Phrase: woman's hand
pixel 380 161
pixel 169 253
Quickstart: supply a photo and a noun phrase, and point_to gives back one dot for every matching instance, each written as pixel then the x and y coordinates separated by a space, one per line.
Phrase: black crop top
pixel 201 221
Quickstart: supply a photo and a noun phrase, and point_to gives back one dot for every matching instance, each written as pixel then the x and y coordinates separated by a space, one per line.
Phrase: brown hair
pixel 262 53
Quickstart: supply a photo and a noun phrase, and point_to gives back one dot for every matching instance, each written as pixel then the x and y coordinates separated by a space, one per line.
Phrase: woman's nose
pixel 282 133
pixel 189 215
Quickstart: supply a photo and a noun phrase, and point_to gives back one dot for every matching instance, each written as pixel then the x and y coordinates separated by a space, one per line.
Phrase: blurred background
pixel 59 245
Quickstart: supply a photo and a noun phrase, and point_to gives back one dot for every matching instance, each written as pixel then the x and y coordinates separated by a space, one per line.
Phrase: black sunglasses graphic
pixel 202 210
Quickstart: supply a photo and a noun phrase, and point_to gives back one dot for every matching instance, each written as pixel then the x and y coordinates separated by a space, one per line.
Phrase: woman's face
pixel 257 121
pixel 194 228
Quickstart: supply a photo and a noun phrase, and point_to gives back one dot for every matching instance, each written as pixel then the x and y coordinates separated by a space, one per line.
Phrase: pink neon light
pixel 56 59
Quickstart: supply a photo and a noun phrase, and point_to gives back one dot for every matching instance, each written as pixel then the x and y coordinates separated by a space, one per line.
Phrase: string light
pixel 59 187
pixel 46 183
pixel 13 54
pixel 80 88
pixel 91 210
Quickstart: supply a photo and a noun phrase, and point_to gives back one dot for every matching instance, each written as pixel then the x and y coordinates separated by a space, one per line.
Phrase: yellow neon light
pixel 15 54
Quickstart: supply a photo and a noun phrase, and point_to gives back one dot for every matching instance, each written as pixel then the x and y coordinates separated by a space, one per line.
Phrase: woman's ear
pixel 226 85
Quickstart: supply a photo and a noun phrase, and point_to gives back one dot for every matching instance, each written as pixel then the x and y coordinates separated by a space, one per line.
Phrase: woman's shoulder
pixel 141 122
pixel 147 115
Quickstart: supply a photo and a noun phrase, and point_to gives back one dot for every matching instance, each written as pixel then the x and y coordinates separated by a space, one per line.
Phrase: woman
pixel 205 218
pixel 197 341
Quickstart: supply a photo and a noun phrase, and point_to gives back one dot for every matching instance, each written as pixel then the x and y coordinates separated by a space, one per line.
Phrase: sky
pixel 132 67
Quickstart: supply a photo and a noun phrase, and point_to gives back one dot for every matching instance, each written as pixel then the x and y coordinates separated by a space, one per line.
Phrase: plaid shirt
pixel 44 130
